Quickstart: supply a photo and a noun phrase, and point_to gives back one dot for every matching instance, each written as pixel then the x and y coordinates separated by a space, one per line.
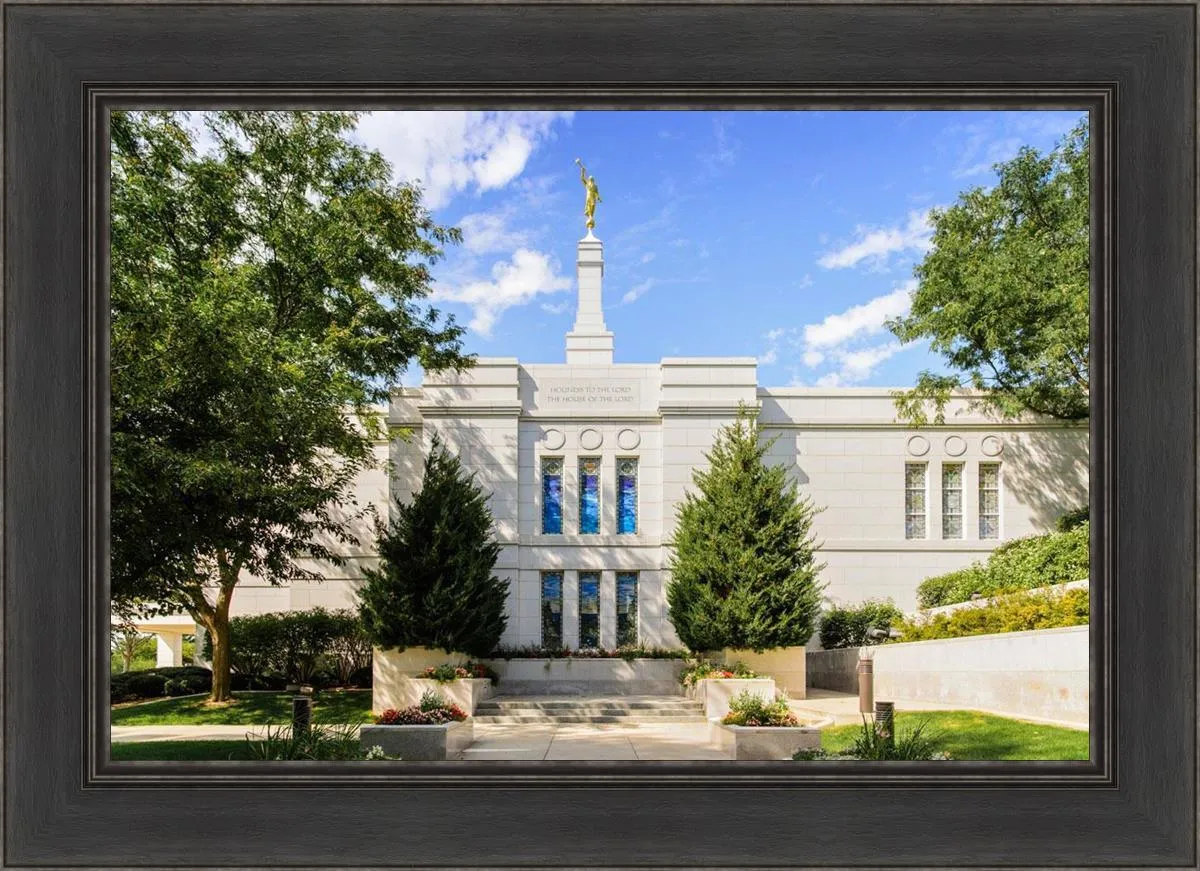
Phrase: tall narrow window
pixel 914 500
pixel 989 500
pixel 589 609
pixel 627 609
pixel 952 501
pixel 552 521
pixel 589 494
pixel 552 608
pixel 627 496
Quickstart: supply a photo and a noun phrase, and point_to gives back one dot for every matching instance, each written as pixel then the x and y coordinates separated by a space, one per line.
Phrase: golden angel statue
pixel 593 194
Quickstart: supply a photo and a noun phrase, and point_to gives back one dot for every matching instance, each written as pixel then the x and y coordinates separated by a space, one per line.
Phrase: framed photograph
pixel 599 435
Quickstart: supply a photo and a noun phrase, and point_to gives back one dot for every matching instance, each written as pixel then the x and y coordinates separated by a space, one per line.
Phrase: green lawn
pixel 247 709
pixel 972 735
pixel 180 751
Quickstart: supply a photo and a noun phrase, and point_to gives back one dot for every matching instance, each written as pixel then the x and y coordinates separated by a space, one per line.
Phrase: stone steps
pixel 552 711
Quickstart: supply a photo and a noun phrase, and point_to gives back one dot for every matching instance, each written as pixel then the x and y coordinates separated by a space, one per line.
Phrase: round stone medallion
pixel 992 446
pixel 590 439
pixel 553 439
pixel 956 446
pixel 918 446
pixel 628 439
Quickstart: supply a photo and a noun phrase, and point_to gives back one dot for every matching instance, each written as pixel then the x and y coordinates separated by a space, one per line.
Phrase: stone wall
pixel 1042 674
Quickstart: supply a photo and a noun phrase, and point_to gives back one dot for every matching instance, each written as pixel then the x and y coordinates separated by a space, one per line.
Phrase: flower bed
pixel 448 672
pixel 434 729
pixel 762 729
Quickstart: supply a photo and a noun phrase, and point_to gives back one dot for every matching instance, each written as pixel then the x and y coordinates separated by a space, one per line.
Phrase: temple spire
pixel 589 341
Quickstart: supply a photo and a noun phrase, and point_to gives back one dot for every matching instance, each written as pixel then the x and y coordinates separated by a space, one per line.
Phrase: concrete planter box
pixel 764 742
pixel 716 693
pixel 588 677
pixel 390 668
pixel 785 665
pixel 419 743
pixel 466 692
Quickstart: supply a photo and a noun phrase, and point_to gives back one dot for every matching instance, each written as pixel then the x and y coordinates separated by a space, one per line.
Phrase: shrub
pixel 851 627
pixel 1072 518
pixel 433 709
pixel 434 586
pixel 747 709
pixel 1016 612
pixel 912 744
pixel 1021 564
pixel 744 573
pixel 536 651
pixel 304 637
pixel 320 742
pixel 349 648
pixel 446 672
pixel 156 683
pixel 704 670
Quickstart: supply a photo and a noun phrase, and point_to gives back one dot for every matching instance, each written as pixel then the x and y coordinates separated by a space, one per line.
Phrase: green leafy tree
pixel 434 586
pixel 743 570
pixel 1002 295
pixel 265 294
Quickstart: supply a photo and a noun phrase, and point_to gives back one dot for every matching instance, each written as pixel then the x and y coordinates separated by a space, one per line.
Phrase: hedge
pixel 1017 612
pixel 1020 564
pixel 851 627
pixel 154 683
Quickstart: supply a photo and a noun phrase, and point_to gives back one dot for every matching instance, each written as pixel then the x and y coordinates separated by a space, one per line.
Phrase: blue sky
pixel 786 236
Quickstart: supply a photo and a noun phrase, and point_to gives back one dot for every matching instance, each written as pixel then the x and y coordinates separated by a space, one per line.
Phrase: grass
pixel 180 751
pixel 246 709
pixel 972 735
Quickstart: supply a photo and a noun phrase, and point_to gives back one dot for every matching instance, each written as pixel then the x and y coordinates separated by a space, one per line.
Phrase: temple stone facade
pixel 898 504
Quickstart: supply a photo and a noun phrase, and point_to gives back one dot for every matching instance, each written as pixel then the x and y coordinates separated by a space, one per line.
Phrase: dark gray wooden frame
pixel 1132 66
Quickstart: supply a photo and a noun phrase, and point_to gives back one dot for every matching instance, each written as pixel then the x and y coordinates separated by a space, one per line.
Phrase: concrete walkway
pixel 843 708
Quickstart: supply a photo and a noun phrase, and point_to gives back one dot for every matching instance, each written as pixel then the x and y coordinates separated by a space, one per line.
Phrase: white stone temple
pixel 587 459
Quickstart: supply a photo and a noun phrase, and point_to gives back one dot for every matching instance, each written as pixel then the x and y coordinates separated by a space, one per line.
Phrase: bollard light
pixel 866 680
pixel 885 722
pixel 301 714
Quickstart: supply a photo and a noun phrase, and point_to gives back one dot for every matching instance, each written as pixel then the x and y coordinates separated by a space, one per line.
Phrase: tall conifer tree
pixel 744 573
pixel 434 586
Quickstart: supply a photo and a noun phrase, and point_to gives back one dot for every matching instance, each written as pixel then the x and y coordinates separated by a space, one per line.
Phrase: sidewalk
pixel 182 733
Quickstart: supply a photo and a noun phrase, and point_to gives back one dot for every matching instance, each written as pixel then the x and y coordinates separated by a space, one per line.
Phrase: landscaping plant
pixel 1020 564
pixel 743 569
pixel 1014 612
pixel 855 626
pixel 446 672
pixel 748 709
pixel 433 709
pixel 435 586
pixel 332 742
pixel 704 670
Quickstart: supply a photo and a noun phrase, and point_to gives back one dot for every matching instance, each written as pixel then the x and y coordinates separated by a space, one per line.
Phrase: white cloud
pixel 860 320
pixel 805 282
pixel 648 256
pixel 487 232
pixel 558 308
pixel 877 244
pixel 841 342
pixel 518 281
pixel 451 152
pixel 637 291
pixel 983 144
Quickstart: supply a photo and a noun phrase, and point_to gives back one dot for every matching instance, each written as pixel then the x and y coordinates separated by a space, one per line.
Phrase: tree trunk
pixel 219 630
pixel 127 655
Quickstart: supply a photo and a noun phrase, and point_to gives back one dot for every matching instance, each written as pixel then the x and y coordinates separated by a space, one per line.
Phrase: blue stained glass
pixel 627 609
pixel 589 495
pixel 589 609
pixel 627 497
pixel 552 609
pixel 552 497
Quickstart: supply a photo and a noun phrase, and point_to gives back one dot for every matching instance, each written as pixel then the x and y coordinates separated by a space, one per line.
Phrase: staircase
pixel 616 710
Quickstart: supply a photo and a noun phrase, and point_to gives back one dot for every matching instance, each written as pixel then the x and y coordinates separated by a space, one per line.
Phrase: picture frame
pixel 1133 66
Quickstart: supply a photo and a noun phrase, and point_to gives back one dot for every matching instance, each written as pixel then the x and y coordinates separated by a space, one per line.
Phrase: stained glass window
pixel 914 500
pixel 552 521
pixel 627 497
pixel 589 609
pixel 589 494
pixel 989 500
pixel 952 503
pixel 627 609
pixel 552 602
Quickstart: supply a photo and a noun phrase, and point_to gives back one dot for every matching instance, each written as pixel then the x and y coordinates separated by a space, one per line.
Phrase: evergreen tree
pixel 434 586
pixel 743 572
